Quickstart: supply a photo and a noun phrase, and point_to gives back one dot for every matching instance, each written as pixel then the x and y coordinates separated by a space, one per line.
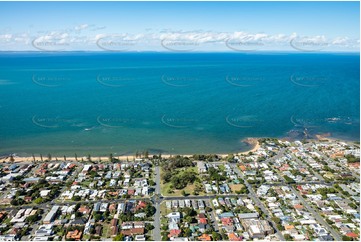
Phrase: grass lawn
pixel 85 183
pixel 236 187
pixel 106 230
pixel 86 237
pixel 164 210
pixel 329 175
pixel 7 221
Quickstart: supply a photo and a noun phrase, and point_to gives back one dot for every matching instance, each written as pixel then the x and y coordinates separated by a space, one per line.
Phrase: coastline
pixel 254 142
pixel 19 159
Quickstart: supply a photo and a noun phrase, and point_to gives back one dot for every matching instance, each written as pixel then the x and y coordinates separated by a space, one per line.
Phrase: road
pixel 311 210
pixel 328 161
pixel 156 230
pixel 158 198
pixel 258 202
pixel 319 177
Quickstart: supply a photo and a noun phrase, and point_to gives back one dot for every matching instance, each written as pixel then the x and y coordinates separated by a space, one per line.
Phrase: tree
pixel 346 238
pixel 119 237
pixel 38 200
pixel 276 220
pixel 146 153
pixel 167 176
pixel 149 210
pixel 352 205
pixel 97 216
pixel 14 202
pixel 189 212
pixel 288 179
pixel 287 237
pixel 184 193
pixel 76 157
pixel 187 232
pixel 149 227
pixel 216 236
pixel 89 159
pixel 32 218
pixel 49 157
pixel 76 198
pixel 230 157
pixel 111 158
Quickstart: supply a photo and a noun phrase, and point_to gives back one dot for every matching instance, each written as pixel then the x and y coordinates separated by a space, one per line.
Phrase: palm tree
pixel 76 157
pixel 146 153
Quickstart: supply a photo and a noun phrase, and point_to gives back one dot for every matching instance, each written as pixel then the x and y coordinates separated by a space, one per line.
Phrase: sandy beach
pixel 25 159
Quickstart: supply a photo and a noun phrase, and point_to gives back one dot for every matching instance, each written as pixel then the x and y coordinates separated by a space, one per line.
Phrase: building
pixel 257 228
pixel 247 215
pixel 51 215
pixel 44 231
pixel 201 167
pixel 174 217
pixel 74 235
pixel 140 237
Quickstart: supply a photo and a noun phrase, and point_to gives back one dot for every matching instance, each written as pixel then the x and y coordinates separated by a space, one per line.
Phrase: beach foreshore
pixel 19 159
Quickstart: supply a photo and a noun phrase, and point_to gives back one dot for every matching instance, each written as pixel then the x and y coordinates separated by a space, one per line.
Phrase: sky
pixel 179 26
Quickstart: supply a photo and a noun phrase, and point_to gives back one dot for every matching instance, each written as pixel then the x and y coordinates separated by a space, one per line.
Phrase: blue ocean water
pixel 97 103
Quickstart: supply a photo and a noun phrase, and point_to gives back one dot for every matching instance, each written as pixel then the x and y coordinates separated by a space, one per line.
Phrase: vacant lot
pixel 236 187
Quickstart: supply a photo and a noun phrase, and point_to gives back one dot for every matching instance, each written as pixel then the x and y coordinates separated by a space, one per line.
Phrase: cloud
pixel 81 27
pixel 6 37
pixel 85 36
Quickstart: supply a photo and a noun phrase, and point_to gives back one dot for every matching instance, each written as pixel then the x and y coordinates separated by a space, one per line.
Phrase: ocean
pixel 180 103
